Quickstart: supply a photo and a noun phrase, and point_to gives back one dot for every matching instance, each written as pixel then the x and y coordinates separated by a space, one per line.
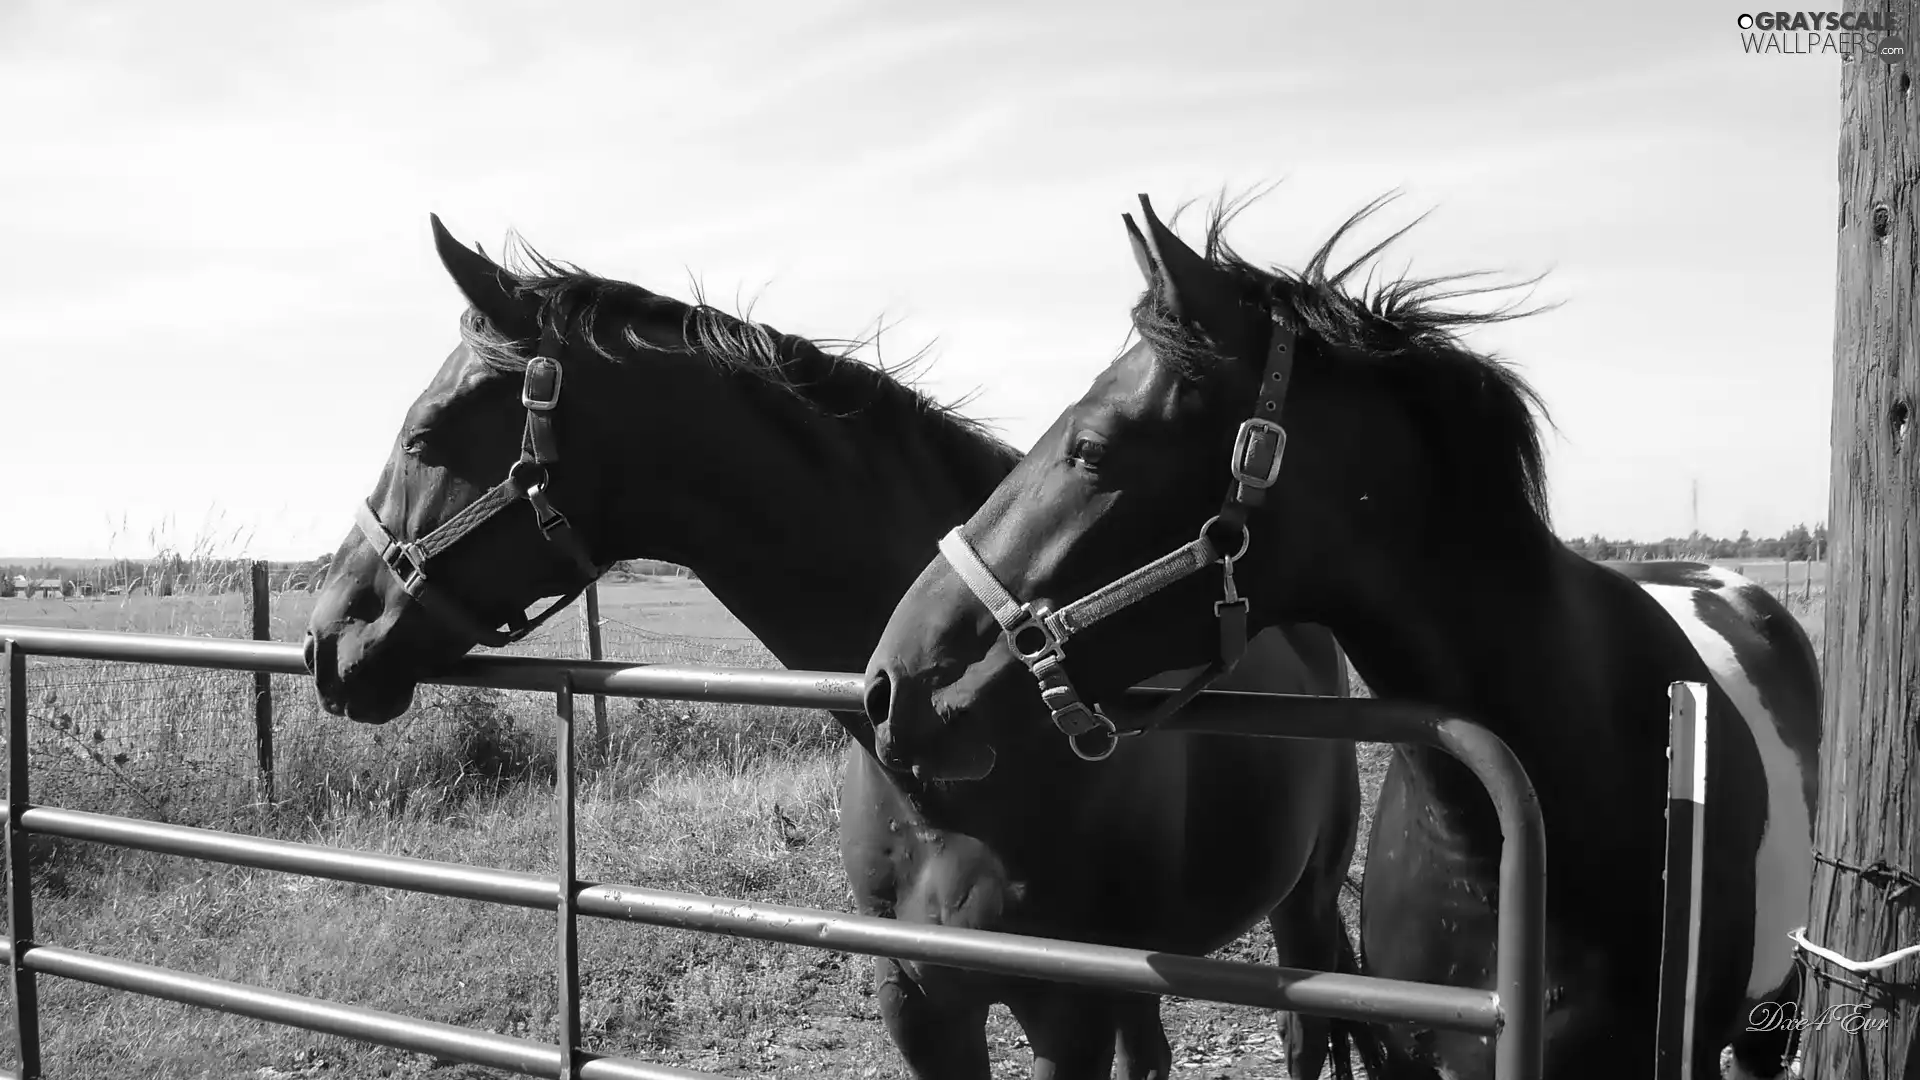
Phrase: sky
pixel 219 295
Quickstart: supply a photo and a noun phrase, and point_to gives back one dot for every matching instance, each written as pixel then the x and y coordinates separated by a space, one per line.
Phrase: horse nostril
pixel 879 697
pixel 309 648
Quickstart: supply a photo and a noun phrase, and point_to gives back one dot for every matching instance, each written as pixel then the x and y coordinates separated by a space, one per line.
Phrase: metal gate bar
pixel 332 1018
pixel 1512 1014
pixel 26 993
pixel 565 896
pixel 1521 950
pixel 1109 967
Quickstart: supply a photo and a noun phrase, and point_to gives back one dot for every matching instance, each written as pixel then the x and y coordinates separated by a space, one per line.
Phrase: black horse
pixel 1387 482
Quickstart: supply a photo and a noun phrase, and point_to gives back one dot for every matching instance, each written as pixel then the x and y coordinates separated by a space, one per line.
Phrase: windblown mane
pixel 831 383
pixel 1478 414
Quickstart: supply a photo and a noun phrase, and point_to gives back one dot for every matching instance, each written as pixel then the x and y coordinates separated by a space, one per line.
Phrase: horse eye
pixel 415 445
pixel 1087 450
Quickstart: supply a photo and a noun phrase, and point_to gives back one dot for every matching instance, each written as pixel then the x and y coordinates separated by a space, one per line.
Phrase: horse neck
pixel 808 527
pixel 1484 636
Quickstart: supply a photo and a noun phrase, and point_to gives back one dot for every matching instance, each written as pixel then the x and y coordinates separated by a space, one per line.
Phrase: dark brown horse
pixel 1380 478
pixel 807 490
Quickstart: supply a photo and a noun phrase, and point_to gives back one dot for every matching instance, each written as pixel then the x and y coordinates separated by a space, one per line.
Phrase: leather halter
pixel 526 479
pixel 1038 635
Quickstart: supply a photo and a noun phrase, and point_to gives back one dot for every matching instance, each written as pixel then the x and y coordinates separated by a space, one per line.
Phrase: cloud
pixel 217 243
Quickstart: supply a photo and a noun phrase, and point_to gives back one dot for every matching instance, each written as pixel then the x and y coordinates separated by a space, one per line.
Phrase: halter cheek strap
pixel 526 479
pixel 1039 635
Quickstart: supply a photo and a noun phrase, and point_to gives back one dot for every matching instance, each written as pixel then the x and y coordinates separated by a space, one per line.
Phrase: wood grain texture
pixel 1870 773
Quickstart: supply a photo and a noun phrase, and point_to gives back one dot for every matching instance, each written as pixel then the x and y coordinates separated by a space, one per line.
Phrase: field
pixel 720 800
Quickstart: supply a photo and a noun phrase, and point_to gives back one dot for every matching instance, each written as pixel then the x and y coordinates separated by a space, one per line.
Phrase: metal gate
pixel 1511 1013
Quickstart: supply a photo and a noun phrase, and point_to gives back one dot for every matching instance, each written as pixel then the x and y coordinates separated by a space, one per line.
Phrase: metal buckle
pixel 415 574
pixel 548 403
pixel 1034 616
pixel 1243 443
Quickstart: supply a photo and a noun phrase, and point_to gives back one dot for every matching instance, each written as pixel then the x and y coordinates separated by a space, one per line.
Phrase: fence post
pixel 262 681
pixel 569 982
pixel 596 651
pixel 1865 843
pixel 26 989
pixel 1686 828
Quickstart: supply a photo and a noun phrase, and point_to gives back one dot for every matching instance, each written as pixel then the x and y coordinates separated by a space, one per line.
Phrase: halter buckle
pixel 1258 436
pixel 540 391
pixel 415 574
pixel 1034 617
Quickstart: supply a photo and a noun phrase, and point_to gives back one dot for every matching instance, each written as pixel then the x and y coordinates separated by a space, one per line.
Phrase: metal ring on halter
pixel 527 476
pixel 1246 538
pixel 1104 731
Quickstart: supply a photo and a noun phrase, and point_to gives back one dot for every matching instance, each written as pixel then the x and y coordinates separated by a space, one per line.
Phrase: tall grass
pixel 721 799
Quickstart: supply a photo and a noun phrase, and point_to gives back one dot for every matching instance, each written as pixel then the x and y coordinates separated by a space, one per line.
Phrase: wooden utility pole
pixel 1866 895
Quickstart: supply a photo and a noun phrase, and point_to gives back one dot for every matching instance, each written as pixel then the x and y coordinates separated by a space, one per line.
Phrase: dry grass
pixel 726 801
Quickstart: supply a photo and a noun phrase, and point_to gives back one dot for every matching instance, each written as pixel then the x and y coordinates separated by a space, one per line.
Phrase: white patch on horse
pixel 1783 867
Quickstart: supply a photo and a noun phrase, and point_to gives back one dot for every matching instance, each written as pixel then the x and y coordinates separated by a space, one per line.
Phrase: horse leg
pixel 1141 1049
pixel 1309 933
pixel 940 1041
pixel 1764 1055
pixel 1072 1032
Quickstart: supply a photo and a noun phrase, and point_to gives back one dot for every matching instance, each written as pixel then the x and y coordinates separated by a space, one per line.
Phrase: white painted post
pixel 1686 830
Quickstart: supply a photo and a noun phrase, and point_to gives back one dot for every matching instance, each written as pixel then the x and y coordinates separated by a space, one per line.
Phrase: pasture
pixel 724 800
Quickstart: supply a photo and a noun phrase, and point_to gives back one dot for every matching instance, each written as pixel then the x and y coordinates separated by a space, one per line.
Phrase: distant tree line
pixel 162 575
pixel 166 574
pixel 1798 544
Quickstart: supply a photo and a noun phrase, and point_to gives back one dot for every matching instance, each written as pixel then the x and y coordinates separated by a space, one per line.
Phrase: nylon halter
pixel 526 479
pixel 1038 635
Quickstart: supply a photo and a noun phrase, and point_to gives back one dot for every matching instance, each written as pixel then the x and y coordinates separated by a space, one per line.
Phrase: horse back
pixel 1763 750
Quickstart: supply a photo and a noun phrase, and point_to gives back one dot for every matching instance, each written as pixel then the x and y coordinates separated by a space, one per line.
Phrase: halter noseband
pixel 1039 636
pixel 526 479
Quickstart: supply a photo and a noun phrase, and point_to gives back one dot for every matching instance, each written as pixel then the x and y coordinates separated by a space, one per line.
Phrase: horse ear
pixel 1190 287
pixel 485 285
pixel 1142 256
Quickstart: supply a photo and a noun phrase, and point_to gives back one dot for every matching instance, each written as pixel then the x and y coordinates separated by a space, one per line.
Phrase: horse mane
pixel 822 375
pixel 1478 415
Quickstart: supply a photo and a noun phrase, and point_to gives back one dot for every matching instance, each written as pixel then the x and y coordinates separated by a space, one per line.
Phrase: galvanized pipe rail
pixel 1511 1013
